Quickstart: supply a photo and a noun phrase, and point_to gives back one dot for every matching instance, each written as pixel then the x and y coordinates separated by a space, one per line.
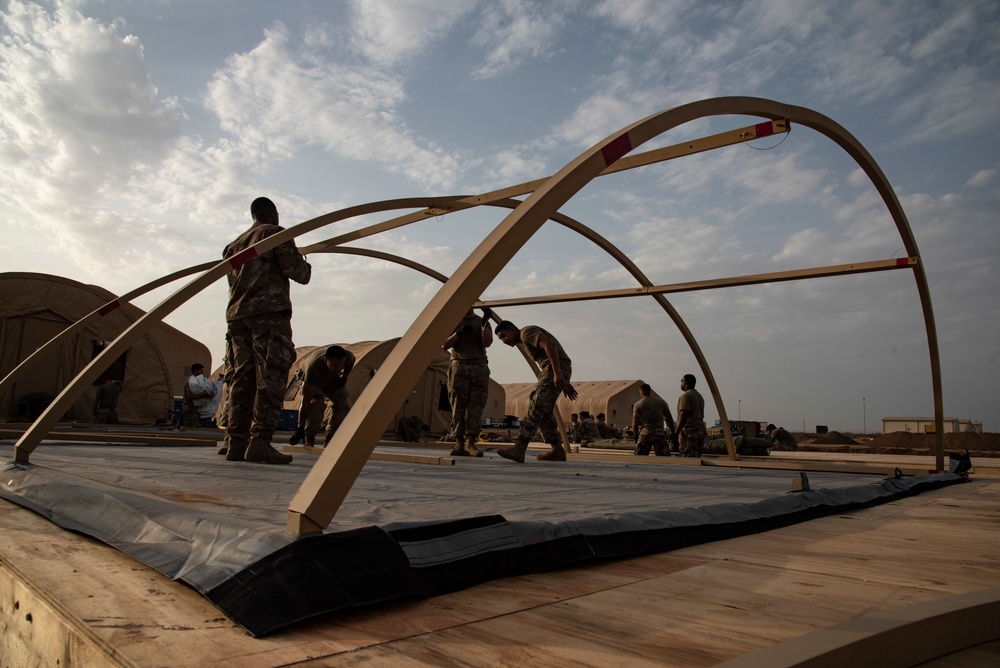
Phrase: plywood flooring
pixel 691 607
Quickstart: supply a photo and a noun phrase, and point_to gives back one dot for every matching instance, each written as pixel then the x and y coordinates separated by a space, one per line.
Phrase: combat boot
pixel 470 447
pixel 556 454
pixel 458 450
pixel 235 451
pixel 515 452
pixel 263 453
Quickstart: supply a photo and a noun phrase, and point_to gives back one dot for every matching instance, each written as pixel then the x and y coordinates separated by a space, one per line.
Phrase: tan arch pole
pixel 328 483
pixel 696 286
pixel 330 479
pixel 34 434
pixel 52 345
pixel 682 327
pixel 434 207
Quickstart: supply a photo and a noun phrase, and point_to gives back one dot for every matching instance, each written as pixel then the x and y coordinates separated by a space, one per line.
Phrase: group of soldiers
pixel 468 383
pixel 260 354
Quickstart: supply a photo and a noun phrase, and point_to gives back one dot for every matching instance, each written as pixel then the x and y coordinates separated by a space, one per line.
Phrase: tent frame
pixel 316 502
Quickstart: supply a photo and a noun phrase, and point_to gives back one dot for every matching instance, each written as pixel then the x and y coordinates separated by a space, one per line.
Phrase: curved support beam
pixel 438 206
pixel 321 494
pixel 324 489
pixel 33 436
pixel 52 345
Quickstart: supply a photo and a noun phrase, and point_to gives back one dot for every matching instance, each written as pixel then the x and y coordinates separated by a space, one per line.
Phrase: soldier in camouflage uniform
pixel 691 433
pixel 587 431
pixel 648 415
pixel 259 317
pixel 555 369
pixel 325 378
pixel 468 380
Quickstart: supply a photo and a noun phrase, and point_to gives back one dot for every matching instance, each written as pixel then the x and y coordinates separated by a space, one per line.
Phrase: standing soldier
pixel 555 369
pixel 259 317
pixel 691 433
pixel 648 415
pixel 468 380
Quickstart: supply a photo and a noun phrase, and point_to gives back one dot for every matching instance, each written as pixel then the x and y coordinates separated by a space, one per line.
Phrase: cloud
pixel 387 31
pixel 981 178
pixel 274 101
pixel 516 30
pixel 80 110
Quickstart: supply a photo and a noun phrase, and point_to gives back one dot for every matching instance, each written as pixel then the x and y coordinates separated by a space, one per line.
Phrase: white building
pixel 925 425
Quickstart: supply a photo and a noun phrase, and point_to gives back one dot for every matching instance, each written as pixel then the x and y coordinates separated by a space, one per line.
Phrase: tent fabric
pixel 425 401
pixel 36 307
pixel 406 529
pixel 614 398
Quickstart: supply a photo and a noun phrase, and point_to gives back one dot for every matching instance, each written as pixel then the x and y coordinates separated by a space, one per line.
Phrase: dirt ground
pixel 899 443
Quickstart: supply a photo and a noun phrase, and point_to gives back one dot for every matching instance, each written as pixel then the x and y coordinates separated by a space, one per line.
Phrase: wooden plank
pixel 380 456
pixel 124 438
pixel 691 607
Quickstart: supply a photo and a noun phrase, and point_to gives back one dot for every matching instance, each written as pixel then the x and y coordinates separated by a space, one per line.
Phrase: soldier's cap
pixel 262 204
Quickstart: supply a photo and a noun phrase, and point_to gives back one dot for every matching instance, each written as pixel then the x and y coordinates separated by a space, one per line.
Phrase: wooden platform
pixel 68 600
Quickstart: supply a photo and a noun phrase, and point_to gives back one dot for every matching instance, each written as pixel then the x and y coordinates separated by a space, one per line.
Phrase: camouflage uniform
pixel 587 431
pixel 107 403
pixel 468 380
pixel 319 383
pixel 693 435
pixel 260 334
pixel 543 398
pixel 650 412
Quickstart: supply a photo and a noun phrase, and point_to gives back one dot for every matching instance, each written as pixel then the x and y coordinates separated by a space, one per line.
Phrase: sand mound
pixel 833 438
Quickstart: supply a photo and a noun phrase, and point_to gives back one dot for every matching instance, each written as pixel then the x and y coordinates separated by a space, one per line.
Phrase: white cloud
pixel 981 178
pixel 275 101
pixel 80 111
pixel 514 31
pixel 387 31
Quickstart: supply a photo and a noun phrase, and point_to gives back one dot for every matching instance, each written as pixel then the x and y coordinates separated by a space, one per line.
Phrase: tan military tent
pixel 428 400
pixel 614 398
pixel 36 307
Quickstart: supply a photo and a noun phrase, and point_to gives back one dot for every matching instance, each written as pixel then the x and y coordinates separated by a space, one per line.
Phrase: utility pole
pixel 864 414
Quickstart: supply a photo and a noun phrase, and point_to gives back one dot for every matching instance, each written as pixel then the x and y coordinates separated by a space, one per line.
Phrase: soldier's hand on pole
pixel 487 314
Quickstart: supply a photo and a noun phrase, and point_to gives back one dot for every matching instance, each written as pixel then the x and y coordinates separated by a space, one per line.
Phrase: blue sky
pixel 135 134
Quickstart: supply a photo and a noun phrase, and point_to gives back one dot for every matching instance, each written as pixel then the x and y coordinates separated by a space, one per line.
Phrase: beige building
pixel 614 398
pixel 925 425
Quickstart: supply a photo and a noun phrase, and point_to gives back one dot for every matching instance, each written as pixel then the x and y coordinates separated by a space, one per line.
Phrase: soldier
pixel 588 429
pixel 781 438
pixel 468 380
pixel 324 378
pixel 555 370
pixel 690 434
pixel 106 402
pixel 259 317
pixel 648 415
pixel 573 429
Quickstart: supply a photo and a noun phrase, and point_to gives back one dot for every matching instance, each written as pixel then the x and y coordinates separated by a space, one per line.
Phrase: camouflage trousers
pixel 468 387
pixel 262 354
pixel 540 406
pixel 691 438
pixel 333 414
pixel 655 439
pixel 190 414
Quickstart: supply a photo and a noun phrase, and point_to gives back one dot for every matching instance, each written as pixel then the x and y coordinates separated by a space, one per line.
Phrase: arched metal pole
pixel 34 434
pixel 331 478
pixel 52 345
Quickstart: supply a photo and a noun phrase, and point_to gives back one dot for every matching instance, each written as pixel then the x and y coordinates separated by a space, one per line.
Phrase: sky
pixel 134 134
